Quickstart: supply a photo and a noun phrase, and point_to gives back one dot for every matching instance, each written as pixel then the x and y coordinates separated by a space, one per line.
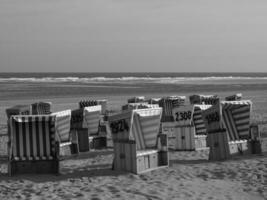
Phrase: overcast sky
pixel 133 35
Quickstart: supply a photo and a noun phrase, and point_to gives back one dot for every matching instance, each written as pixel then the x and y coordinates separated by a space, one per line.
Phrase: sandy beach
pixel 189 176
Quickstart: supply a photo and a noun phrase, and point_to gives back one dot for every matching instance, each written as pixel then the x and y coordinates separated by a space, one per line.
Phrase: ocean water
pixel 58 85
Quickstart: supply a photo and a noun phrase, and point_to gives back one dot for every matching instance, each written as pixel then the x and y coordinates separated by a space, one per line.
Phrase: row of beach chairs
pixel 141 132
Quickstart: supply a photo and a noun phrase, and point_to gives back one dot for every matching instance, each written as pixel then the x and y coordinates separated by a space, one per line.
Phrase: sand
pixel 189 176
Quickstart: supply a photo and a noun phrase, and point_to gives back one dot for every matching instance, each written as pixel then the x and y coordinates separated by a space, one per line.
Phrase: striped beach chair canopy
pixel 234 116
pixel 198 120
pixel 145 126
pixel 32 137
pixel 204 99
pixel 136 99
pixel 91 119
pixel 62 125
pixel 140 125
pixel 41 108
pixel 235 97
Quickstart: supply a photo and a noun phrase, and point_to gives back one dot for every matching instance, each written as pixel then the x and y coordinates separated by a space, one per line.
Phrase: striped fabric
pixel 145 127
pixel 33 137
pixel 63 125
pixel 150 128
pixel 236 116
pixel 91 119
pixel 137 133
pixel 198 120
pixel 41 108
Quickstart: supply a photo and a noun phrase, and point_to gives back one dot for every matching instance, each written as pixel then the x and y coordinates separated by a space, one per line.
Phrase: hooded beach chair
pixel 228 127
pixel 85 122
pixel 18 110
pixel 136 99
pixel 204 99
pixel 33 146
pixel 87 103
pixel 143 105
pixel 62 129
pixel 41 108
pixel 138 146
pixel 180 132
pixel 235 97
pixel 167 104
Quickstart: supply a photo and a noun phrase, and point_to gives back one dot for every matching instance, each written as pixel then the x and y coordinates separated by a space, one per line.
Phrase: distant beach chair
pixel 136 99
pixel 18 110
pixel 138 146
pixel 62 129
pixel 86 122
pixel 167 104
pixel 153 101
pixel 33 146
pixel 235 97
pixel 87 103
pixel 143 105
pixel 41 108
pixel 204 99
pixel 228 127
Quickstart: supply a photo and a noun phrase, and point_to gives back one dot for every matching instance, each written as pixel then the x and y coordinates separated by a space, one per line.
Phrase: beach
pixel 89 176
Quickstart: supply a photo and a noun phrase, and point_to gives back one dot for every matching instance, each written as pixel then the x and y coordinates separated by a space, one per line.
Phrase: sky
pixel 133 36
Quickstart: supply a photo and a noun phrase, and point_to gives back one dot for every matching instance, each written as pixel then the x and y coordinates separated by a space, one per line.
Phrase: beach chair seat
pixel 41 108
pixel 138 146
pixel 62 128
pixel 33 146
pixel 86 123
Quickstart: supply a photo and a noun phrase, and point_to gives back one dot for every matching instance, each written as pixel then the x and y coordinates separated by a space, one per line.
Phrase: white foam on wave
pixel 162 80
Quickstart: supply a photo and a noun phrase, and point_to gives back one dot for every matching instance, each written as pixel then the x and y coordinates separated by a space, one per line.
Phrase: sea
pixel 46 85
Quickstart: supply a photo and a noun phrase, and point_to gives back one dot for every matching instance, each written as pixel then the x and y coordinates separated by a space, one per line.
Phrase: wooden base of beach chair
pixel 126 158
pixel 181 138
pixel 200 142
pixel 219 146
pixel 65 149
pixel 34 167
pixel 255 147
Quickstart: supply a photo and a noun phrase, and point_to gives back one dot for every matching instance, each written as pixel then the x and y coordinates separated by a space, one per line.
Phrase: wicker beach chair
pixel 41 108
pixel 86 122
pixel 136 99
pixel 204 99
pixel 235 97
pixel 138 146
pixel 228 127
pixel 33 146
pixel 88 103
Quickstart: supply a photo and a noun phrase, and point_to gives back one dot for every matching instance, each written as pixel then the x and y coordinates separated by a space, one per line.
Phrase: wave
pixel 128 79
